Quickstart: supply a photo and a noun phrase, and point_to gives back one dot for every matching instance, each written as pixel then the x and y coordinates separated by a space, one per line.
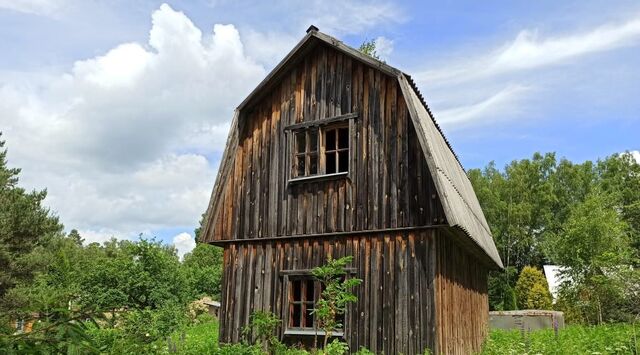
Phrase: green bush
pixel 146 326
pixel 532 290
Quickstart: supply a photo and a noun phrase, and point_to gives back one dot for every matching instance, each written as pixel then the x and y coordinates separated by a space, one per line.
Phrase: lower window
pixel 303 291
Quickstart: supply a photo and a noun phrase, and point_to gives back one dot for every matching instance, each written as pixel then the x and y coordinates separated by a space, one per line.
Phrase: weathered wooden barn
pixel 336 153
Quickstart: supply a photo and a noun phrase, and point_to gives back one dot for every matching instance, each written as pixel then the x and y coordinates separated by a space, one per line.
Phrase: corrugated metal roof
pixel 458 198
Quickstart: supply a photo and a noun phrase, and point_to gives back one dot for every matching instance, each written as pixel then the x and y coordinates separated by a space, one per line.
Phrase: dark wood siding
pixel 395 312
pixel 389 184
pixel 462 303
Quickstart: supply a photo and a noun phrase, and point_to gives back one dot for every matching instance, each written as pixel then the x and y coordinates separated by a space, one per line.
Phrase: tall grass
pixel 594 340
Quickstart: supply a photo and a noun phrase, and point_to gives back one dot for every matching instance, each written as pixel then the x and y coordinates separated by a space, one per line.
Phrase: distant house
pixel 214 307
pixel 336 153
pixel 552 273
pixel 24 324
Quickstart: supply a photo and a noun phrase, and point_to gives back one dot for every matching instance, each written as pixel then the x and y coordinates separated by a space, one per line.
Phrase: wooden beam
pixel 303 272
pixel 321 122
pixel 325 235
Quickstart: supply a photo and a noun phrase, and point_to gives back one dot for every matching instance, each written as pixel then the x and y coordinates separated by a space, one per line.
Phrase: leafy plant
pixel 369 48
pixel 336 294
pixel 262 326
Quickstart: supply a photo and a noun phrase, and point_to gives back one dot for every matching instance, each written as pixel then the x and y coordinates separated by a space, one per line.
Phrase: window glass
pixel 313 140
pixel 343 138
pixel 302 302
pixel 306 158
pixel 313 164
pixel 330 140
pixel 343 161
pixel 330 160
pixel 301 142
pixel 301 165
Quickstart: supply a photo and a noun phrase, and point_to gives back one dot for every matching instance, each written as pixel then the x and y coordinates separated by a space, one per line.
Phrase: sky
pixel 120 109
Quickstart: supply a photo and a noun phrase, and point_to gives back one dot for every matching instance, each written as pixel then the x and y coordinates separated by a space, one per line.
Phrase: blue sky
pixel 121 108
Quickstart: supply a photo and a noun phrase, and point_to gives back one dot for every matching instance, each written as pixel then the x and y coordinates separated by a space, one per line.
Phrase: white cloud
pixel 499 106
pixel 127 142
pixel 528 50
pixel 504 83
pixel 184 243
pixel 49 8
pixel 269 47
pixel 384 47
pixel 635 154
pixel 350 17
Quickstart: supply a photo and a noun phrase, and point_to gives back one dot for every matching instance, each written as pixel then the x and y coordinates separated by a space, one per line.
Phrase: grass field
pixel 604 339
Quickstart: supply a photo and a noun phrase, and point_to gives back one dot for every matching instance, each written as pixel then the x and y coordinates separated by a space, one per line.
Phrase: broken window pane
pixel 313 164
pixel 301 165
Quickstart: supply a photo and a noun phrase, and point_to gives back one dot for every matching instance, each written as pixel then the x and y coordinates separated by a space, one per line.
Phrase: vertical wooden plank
pixel 394 157
pixel 373 148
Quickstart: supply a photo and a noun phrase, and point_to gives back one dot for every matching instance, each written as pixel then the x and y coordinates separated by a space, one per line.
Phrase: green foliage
pixel 203 269
pixel 364 351
pixel 585 217
pixel 58 331
pixel 502 297
pixel 603 339
pixel 336 347
pixel 336 294
pixel 369 48
pixel 595 247
pixel 25 224
pixel 532 290
pixel 262 327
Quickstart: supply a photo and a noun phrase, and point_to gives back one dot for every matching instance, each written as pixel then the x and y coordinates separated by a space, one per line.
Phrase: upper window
pixel 306 159
pixel 336 149
pixel 324 156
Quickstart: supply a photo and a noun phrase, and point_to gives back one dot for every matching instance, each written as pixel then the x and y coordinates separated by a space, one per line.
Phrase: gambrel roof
pixel 459 201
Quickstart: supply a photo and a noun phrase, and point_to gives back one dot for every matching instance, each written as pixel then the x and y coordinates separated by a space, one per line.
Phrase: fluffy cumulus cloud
pixel 184 243
pixel 128 141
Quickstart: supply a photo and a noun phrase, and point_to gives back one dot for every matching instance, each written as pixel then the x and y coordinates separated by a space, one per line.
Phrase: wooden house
pixel 336 153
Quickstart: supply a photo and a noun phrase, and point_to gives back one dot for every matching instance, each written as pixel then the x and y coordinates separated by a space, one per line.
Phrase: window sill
pixel 311 332
pixel 314 178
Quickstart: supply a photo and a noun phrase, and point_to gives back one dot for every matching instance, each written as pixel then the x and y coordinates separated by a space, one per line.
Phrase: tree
pixel 336 294
pixel 594 247
pixel 369 48
pixel 24 224
pixel 502 297
pixel 532 289
pixel 203 268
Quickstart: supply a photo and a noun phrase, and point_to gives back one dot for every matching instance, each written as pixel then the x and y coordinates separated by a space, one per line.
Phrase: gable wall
pixel 389 185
